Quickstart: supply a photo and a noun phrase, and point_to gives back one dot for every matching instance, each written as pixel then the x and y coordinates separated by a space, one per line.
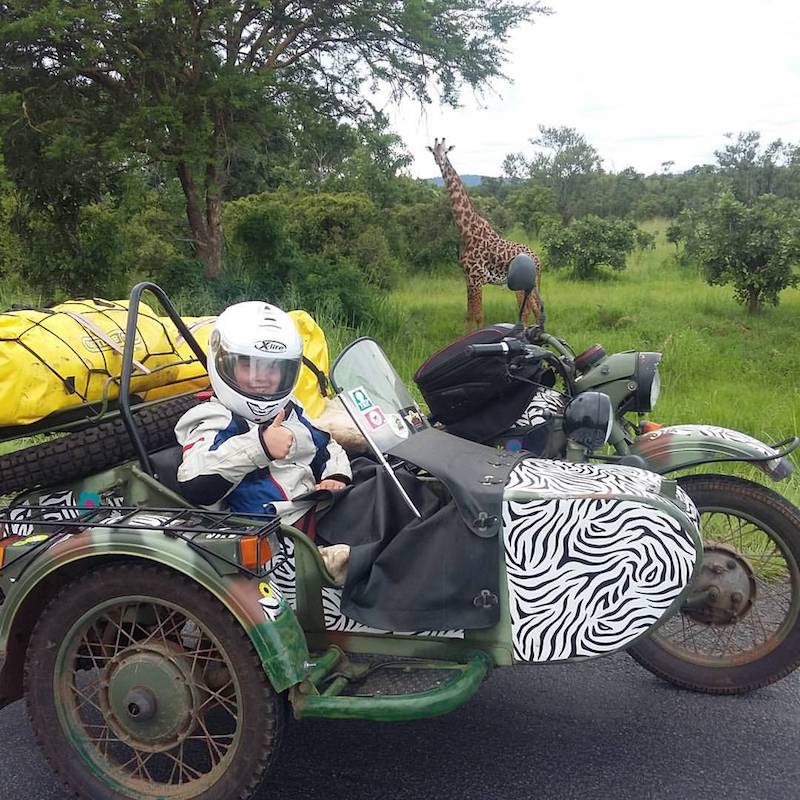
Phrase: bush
pixel 263 231
pixel 588 244
pixel 427 237
pixel 112 245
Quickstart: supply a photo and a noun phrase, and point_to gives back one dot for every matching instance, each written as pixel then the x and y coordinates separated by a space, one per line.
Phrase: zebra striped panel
pixel 546 403
pixel 588 574
pixel 283 579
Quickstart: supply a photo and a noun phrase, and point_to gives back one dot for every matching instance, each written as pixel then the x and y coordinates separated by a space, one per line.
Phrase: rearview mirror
pixel 521 274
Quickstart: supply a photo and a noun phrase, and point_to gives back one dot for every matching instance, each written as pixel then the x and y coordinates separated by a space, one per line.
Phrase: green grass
pixel 720 365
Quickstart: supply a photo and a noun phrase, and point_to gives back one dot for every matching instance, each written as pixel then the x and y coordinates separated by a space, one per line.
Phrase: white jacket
pixel 225 459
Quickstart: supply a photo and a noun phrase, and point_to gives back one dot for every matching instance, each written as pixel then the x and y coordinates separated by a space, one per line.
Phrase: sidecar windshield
pixel 375 395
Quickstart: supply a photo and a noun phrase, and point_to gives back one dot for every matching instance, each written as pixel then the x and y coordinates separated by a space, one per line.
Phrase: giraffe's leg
pixel 533 306
pixel 520 298
pixel 474 305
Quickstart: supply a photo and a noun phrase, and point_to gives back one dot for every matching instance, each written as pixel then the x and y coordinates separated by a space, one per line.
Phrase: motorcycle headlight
pixel 655 389
pixel 588 419
pixel 648 382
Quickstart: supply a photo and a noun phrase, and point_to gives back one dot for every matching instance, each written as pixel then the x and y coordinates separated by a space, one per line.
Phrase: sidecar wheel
pixel 747 635
pixel 141 684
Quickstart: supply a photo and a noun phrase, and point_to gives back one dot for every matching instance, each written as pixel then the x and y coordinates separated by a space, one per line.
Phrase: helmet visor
pixel 258 377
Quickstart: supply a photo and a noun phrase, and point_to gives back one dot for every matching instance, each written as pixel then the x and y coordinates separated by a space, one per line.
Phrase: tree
pixel 92 83
pixel 752 247
pixel 752 169
pixel 565 163
pixel 589 243
pixel 531 205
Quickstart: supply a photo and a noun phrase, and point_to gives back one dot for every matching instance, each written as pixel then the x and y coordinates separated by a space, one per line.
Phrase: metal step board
pixel 375 688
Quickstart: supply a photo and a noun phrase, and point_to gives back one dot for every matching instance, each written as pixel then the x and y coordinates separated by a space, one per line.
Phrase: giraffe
pixel 484 256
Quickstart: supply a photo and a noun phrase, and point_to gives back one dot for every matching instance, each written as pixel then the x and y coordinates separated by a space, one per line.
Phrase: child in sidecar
pixel 251 447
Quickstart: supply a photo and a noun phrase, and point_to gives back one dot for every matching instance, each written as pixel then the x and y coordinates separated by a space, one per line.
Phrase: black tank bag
pixel 477 398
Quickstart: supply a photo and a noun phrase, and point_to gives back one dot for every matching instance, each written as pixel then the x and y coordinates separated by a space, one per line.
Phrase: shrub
pixel 427 237
pixel 588 244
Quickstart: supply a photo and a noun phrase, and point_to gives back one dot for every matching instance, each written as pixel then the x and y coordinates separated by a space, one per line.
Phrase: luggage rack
pixel 60 521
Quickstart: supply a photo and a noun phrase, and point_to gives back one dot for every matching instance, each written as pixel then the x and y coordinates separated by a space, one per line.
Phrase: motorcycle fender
pixel 595 557
pixel 258 606
pixel 681 446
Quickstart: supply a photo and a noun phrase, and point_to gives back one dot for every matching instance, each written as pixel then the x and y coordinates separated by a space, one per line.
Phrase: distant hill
pixel 468 180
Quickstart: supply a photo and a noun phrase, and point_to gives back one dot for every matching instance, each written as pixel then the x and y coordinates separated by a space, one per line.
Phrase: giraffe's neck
pixel 464 213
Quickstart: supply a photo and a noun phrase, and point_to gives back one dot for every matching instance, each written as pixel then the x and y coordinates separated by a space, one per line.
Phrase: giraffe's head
pixel 440 151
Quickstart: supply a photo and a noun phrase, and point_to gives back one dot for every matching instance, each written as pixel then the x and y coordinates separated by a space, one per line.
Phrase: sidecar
pixel 162 644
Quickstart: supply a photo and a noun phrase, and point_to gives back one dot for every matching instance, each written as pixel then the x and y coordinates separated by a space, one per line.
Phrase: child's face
pixel 259 377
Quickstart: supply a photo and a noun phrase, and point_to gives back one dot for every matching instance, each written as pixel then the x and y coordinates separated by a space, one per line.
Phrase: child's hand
pixel 278 440
pixel 330 483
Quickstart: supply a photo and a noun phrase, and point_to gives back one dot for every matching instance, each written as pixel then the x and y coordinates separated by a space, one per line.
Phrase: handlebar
pixel 508 347
pixel 512 347
pixel 536 335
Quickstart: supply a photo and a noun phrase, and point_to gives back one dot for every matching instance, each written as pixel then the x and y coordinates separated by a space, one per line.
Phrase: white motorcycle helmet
pixel 254 357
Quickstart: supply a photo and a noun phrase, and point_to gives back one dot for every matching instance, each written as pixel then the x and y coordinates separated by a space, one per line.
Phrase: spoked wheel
pixel 740 628
pixel 141 685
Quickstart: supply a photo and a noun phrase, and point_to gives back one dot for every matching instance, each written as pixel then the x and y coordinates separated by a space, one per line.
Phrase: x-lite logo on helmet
pixel 270 346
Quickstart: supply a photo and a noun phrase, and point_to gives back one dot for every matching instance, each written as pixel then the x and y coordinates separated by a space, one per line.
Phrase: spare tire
pixel 91 449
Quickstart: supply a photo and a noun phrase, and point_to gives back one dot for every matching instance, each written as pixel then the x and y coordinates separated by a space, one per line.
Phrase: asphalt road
pixel 605 729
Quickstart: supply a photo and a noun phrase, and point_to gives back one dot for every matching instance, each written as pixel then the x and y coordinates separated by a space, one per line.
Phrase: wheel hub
pixel 728 585
pixel 149 699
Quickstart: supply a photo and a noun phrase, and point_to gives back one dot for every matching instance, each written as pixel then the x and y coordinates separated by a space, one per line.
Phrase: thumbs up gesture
pixel 277 439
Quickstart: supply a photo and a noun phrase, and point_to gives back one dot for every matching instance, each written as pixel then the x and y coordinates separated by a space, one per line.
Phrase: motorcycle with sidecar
pixel 496 386
pixel 160 646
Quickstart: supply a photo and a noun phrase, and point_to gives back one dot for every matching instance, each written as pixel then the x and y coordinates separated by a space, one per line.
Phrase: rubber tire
pixel 711 491
pixel 263 712
pixel 90 450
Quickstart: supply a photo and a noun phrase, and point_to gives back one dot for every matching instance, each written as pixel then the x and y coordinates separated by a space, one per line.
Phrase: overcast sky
pixel 645 81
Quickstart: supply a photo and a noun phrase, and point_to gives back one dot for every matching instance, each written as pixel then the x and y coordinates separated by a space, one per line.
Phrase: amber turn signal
pixel 648 426
pixel 254 552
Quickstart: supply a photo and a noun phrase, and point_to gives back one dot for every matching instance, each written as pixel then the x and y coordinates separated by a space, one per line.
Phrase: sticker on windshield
pixel 361 398
pixel 413 418
pixel 398 426
pixel 375 418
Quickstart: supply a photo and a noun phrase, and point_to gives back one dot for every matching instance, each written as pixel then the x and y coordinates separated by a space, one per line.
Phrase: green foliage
pixel 645 240
pixel 531 205
pixel 754 171
pixel 87 86
pixel 754 248
pixel 12 247
pixel 587 244
pixel 427 239
pixel 565 162
pixel 343 227
pixel 496 213
pixel 314 249
pixel 112 245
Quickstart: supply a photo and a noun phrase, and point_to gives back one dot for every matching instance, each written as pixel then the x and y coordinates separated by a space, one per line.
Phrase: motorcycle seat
pixel 165 464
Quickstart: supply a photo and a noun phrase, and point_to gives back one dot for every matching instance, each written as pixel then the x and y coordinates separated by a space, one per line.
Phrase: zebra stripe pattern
pixel 546 403
pixel 561 478
pixel 587 575
pixel 283 579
